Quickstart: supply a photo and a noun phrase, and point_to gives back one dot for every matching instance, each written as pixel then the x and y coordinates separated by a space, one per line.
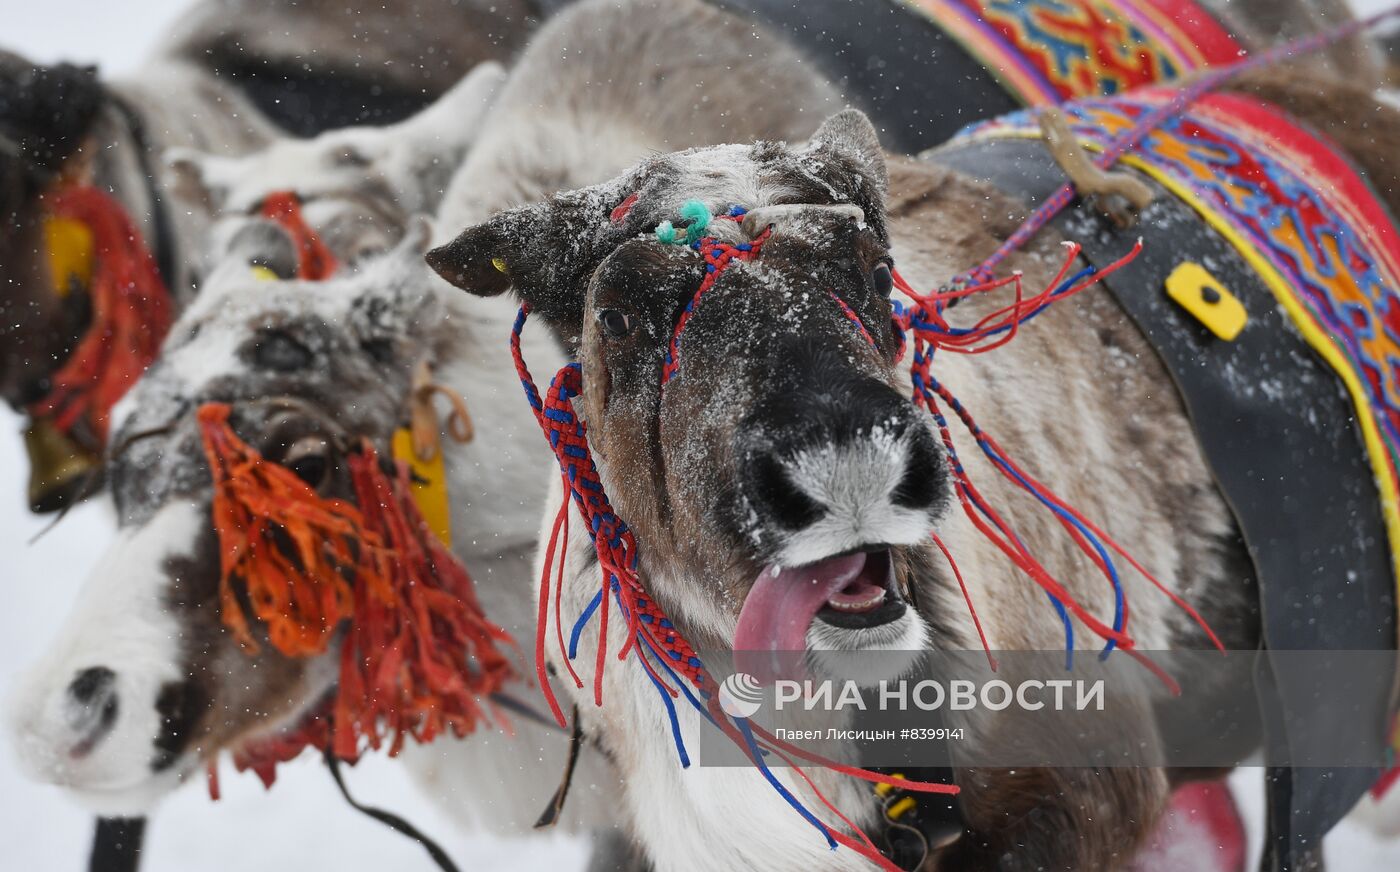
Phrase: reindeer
pixel 784 448
pixel 357 186
pixel 144 685
pixel 61 127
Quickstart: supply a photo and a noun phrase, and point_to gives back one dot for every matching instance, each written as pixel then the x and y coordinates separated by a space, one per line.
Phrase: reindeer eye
pixel 883 279
pixel 615 322
pixel 310 459
pixel 279 352
pixel 349 156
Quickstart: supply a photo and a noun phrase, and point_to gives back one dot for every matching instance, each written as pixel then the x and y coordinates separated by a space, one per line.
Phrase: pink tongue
pixel 780 608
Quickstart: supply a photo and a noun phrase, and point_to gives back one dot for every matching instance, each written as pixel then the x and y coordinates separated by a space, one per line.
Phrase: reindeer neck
pixel 497 481
pixel 726 813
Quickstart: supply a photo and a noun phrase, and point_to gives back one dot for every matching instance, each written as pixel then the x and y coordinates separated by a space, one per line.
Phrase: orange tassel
pixel 315 259
pixel 419 655
pixel 290 548
pixel 131 314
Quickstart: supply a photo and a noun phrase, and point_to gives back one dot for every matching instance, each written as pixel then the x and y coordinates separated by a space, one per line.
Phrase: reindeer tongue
pixel 780 607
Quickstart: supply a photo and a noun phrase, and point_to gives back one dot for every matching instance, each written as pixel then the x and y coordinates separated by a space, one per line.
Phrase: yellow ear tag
pixel 499 264
pixel 262 273
pixel 1206 299
pixel 70 247
pixel 429 485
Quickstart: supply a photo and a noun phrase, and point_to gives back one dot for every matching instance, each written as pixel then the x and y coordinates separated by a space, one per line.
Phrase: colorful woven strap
pixel 1047 51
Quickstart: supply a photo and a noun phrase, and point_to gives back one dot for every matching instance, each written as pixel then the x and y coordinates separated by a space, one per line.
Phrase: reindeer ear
pixel 546 253
pixel 261 243
pixel 539 250
pixel 850 133
pixel 475 261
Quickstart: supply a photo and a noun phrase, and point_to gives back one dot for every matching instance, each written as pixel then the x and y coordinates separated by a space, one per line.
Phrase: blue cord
pixel 743 725
pixel 582 621
pixel 1093 540
pixel 670 713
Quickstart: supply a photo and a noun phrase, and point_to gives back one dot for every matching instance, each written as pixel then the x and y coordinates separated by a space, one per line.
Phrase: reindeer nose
pixel 850 461
pixel 797 484
pixel 773 489
pixel 91 706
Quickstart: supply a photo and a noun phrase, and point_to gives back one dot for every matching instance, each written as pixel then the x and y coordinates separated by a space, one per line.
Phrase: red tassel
pixel 261 511
pixel 131 314
pixel 315 261
pixel 419 653
pixel 263 755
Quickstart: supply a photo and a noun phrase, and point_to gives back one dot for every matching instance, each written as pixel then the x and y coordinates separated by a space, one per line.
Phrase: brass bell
pixel 58 466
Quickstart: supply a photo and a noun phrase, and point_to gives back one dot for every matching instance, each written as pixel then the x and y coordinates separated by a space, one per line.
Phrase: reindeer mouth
pixel 851 591
pixel 870 599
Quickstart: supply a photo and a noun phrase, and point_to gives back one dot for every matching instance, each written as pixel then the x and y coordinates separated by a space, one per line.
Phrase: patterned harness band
pixel 1003 54
pixel 1047 51
pixel 666 657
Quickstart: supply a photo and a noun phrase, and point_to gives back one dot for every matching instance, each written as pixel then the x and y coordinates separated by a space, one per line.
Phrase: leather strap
pixel 163 236
pixel 389 819
pixel 550 816
pixel 1291 466
pixel 116 845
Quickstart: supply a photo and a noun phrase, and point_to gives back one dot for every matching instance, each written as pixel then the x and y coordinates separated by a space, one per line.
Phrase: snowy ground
pixel 302 823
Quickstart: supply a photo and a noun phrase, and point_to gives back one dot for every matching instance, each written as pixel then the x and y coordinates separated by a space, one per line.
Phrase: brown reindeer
pixel 65 128
pixel 786 439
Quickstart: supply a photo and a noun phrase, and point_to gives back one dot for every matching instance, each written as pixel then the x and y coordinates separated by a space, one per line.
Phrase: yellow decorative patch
pixel 429 485
pixel 70 248
pixel 1193 288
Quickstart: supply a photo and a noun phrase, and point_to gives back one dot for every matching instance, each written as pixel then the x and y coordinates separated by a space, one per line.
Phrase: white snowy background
pixel 302 823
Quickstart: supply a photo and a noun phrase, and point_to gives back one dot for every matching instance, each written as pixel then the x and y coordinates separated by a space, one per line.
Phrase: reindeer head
pixel 47 115
pixel 780 485
pixel 359 184
pixel 145 682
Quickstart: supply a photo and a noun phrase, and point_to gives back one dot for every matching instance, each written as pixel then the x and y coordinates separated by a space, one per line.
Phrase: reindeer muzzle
pixel 58 466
